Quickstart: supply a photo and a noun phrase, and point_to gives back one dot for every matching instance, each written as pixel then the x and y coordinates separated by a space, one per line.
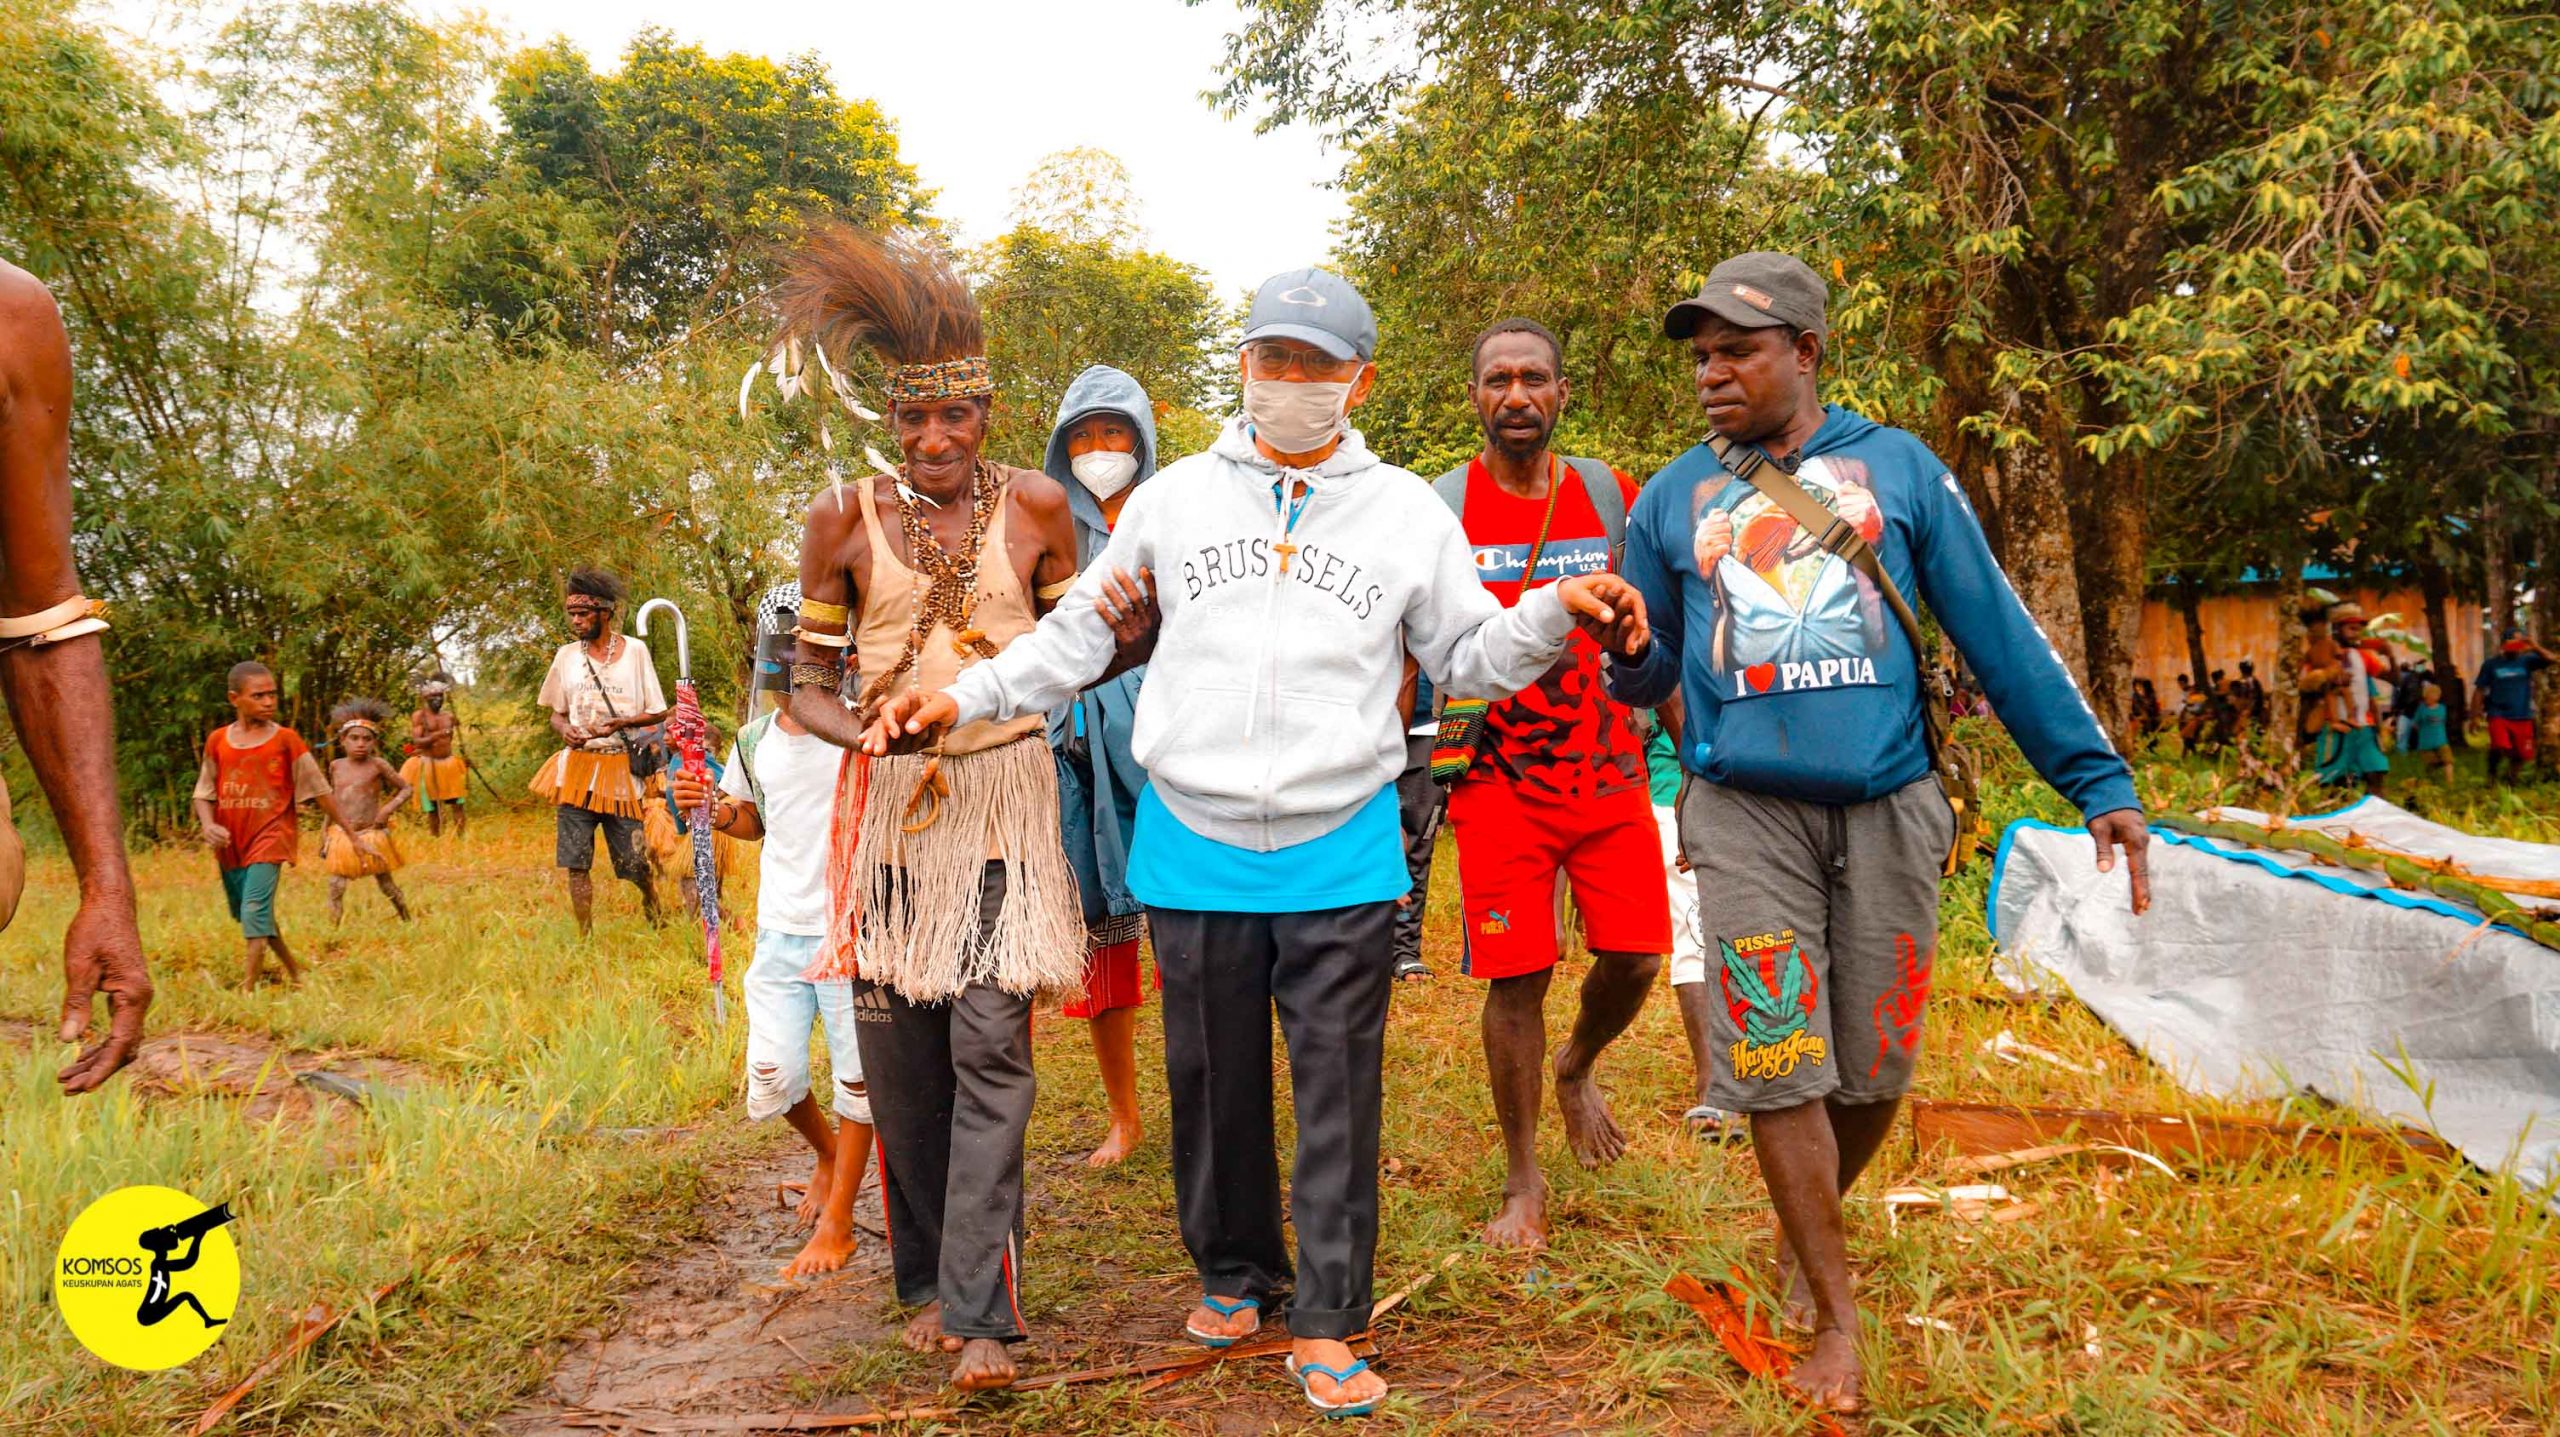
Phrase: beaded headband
pixel 969 378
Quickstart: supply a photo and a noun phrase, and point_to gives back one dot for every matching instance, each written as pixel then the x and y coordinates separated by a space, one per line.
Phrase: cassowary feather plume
pixel 898 295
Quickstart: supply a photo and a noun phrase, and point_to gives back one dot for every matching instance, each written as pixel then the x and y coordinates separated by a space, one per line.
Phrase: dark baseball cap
pixel 1755 290
pixel 1316 306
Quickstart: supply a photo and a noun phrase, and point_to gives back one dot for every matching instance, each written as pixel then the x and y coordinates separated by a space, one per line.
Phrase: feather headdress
pixel 370 714
pixel 898 295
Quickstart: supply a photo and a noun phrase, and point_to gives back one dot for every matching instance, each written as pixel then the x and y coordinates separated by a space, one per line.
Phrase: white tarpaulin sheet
pixel 2256 972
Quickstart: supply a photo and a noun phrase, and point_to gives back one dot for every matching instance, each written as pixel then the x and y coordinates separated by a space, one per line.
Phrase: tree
pixel 1581 207
pixel 688 173
pixel 323 417
pixel 1056 305
pixel 2070 245
pixel 1082 194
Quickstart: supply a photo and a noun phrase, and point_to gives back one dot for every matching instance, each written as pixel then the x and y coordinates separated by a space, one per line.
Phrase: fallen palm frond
pixel 1990 1129
pixel 2403 871
pixel 1727 1312
pixel 314 1324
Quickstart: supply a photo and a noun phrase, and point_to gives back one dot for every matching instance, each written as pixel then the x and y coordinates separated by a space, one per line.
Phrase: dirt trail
pixel 714 1339
pixel 714 1331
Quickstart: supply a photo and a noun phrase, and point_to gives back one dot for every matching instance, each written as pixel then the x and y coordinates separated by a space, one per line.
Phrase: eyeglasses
pixel 1272 359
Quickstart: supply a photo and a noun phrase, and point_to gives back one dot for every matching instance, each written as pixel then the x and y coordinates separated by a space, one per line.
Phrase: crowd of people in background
pixel 2361 700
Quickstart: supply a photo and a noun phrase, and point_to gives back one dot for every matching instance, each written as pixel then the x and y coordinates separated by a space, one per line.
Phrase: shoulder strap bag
pixel 1835 535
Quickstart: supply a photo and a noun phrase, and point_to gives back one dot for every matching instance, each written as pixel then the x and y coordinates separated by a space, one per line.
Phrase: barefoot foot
pixel 1117 1144
pixel 1522 1223
pixel 924 1330
pixel 826 1251
pixel 1589 1129
pixel 984 1366
pixel 813 1193
pixel 1830 1376
pixel 1363 1386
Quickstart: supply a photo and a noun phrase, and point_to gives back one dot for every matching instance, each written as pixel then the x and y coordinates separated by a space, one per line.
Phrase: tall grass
pixel 2274 1295
pixel 520 1034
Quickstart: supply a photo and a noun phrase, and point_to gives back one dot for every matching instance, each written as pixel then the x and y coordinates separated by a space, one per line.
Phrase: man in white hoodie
pixel 1294 572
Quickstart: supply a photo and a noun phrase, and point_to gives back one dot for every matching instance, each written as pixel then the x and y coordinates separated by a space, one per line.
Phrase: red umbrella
pixel 690 732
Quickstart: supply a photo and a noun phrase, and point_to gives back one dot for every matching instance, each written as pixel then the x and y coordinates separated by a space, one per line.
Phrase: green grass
pixel 2269 1296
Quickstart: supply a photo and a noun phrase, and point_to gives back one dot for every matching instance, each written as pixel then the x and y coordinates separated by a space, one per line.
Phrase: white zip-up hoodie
pixel 1269 712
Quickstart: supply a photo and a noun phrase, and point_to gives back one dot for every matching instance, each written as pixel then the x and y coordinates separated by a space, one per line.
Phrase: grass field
pixel 2258 1297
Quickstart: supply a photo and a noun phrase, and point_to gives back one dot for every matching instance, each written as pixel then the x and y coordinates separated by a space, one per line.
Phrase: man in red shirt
pixel 1557 791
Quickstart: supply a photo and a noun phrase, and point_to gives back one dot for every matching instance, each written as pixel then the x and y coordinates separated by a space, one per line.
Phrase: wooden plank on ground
pixel 1982 1129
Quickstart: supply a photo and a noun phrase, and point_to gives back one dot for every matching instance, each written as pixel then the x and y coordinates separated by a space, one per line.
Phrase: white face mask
pixel 1105 471
pixel 1296 417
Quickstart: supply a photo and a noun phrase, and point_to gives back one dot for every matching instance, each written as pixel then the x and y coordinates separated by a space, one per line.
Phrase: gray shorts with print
pixel 1820 925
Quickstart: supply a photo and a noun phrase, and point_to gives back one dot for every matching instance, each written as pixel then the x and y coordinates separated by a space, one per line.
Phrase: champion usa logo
pixel 1794 677
pixel 1562 559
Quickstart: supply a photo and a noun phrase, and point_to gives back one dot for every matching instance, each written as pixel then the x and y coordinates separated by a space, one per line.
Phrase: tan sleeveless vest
pixel 890 593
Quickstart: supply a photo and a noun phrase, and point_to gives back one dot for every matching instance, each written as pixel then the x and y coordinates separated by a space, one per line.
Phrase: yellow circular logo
pixel 148 1277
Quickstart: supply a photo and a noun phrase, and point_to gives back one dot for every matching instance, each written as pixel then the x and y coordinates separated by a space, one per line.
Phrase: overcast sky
pixel 980 92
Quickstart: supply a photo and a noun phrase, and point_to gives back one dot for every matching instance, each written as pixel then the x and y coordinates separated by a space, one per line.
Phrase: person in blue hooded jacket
pixel 1806 750
pixel 1102 449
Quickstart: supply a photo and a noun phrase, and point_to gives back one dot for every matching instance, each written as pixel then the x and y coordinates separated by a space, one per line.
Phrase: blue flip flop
pixel 1224 1307
pixel 1339 1376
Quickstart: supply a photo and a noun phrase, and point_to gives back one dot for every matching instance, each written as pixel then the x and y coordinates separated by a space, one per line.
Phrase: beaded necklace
pixel 951 591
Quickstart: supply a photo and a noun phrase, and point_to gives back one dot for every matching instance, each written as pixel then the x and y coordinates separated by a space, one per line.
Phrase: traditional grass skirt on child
pixel 913 834
pixel 340 855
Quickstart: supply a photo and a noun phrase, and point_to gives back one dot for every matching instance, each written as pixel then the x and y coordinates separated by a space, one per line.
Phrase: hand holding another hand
pixel 1609 609
pixel 906 715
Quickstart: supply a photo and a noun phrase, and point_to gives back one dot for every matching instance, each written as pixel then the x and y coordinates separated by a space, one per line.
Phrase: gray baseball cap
pixel 1316 306
pixel 1755 290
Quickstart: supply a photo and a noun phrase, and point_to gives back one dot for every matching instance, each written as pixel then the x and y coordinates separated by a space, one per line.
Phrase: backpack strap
pixel 748 738
pixel 1835 535
pixel 1600 485
pixel 1452 489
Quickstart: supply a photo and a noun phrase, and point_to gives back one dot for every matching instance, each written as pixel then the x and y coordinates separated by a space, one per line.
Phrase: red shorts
pixel 1111 978
pixel 2513 736
pixel 1516 852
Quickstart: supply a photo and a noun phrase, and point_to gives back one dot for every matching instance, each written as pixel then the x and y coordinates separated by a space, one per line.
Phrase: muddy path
pixel 712 1340
pixel 713 1330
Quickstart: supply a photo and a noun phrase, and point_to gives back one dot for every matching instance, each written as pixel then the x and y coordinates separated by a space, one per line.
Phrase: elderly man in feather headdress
pixel 951 899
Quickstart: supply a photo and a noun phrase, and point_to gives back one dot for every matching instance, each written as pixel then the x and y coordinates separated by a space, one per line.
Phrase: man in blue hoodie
pixel 1803 699
pixel 1102 449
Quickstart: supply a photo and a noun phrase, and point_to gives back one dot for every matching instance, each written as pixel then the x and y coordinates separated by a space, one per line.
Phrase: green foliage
pixel 327 417
pixel 1585 208
pixel 685 175
pixel 1055 305
pixel 2160 270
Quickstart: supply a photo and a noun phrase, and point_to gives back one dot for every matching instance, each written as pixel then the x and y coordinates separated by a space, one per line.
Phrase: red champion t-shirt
pixel 1561 737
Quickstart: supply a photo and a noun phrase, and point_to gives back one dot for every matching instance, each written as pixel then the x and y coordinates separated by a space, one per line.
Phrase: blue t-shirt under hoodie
pixel 1798 680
